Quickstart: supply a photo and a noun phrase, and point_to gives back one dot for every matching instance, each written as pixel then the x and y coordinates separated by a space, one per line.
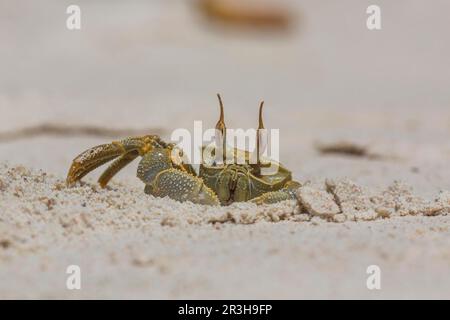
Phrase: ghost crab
pixel 217 183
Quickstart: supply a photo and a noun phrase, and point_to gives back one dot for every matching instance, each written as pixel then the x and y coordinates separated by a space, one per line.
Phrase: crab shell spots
pixel 153 163
pixel 182 186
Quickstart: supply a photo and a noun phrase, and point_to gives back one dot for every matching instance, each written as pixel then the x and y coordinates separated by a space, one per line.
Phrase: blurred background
pixel 155 66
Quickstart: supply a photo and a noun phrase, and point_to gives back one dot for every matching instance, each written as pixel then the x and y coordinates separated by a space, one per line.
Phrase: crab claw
pixel 162 179
pixel 181 186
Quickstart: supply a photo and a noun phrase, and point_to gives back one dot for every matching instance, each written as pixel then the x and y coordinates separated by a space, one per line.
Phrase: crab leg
pixel 116 166
pixel 287 193
pixel 99 155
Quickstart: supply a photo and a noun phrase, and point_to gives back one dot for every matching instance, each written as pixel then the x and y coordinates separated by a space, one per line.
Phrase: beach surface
pixel 130 245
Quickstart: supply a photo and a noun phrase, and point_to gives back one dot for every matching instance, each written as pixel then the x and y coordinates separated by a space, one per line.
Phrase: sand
pixel 131 245
pixel 364 123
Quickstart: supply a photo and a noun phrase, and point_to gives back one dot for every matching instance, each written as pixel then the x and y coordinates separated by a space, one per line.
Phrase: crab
pixel 165 174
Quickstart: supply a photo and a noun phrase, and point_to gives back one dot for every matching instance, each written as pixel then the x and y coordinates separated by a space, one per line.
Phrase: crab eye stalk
pixel 220 137
pixel 261 136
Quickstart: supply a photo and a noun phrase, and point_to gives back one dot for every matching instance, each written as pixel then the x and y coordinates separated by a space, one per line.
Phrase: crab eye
pixel 220 136
pixel 261 136
pixel 262 144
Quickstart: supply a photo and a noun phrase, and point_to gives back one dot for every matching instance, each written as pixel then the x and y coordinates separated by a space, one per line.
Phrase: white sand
pixel 130 245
